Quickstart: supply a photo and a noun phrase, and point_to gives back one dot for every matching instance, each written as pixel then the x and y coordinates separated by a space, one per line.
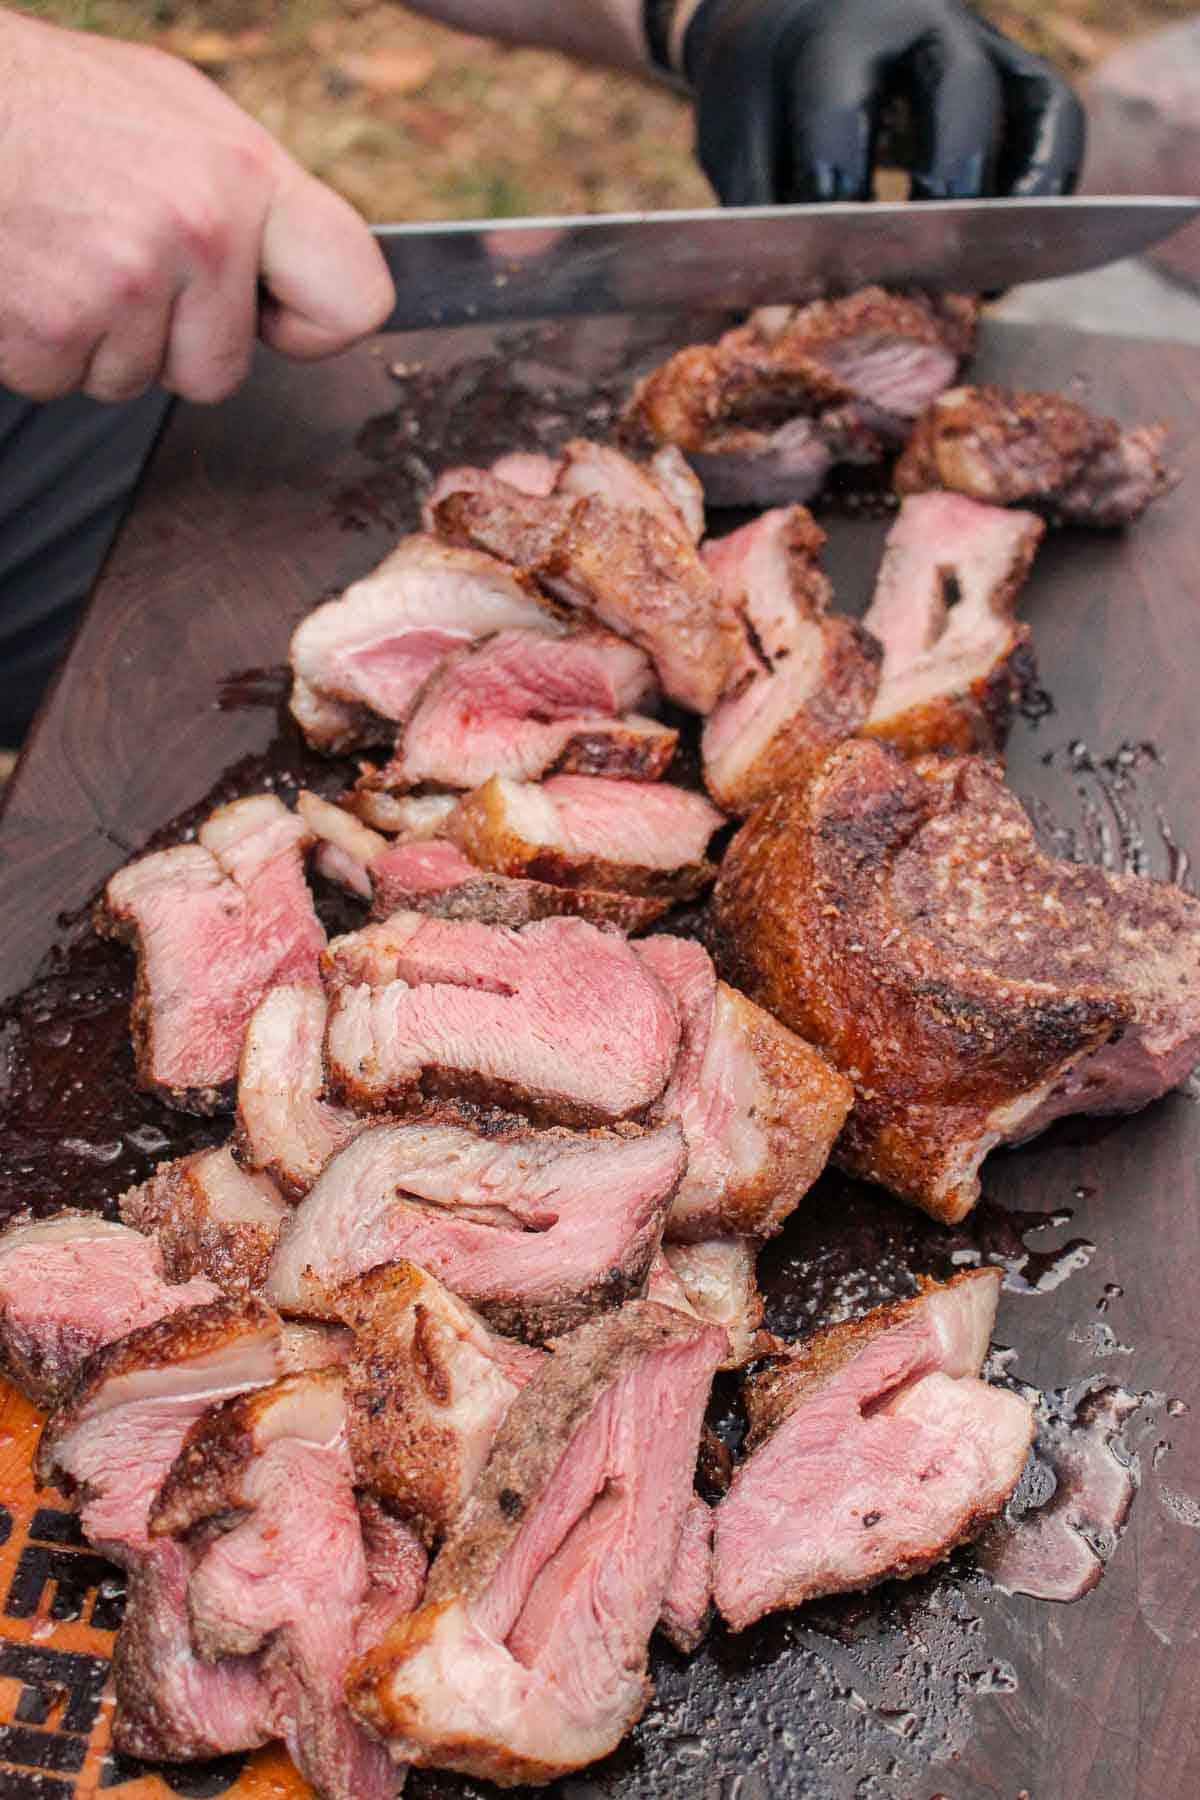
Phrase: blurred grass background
pixel 410 120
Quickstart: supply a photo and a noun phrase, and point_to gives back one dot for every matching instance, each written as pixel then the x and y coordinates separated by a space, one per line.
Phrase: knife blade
pixel 492 270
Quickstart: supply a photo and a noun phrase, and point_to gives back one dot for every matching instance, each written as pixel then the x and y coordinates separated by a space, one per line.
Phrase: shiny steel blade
pixel 485 271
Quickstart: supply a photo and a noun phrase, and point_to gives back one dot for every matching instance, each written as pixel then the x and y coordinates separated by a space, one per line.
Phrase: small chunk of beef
pixel 216 924
pixel 69 1285
pixel 426 1389
pixel 515 706
pixel 808 677
pixel 346 846
pixel 873 1449
pixel 666 487
pixel 760 1108
pixel 528 1658
pixel 285 1569
pixel 576 831
pixel 1008 447
pixel 397 1566
pixel 209 1218
pixel 687 1603
pixel 537 1230
pixel 765 413
pixel 904 919
pixel 560 1018
pixel 717 1276
pixel 361 661
pixel 286 1129
pixel 406 816
pixel 955 659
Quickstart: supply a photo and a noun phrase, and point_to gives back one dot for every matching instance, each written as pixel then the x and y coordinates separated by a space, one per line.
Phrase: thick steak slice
pixel 578 832
pixel 286 1128
pixel 426 1389
pixel 537 1230
pixel 665 487
pixel 874 1448
pixel 560 1018
pixel 808 677
pixel 70 1284
pixel 209 1218
pixel 759 1107
pixel 216 923
pixel 287 1575
pixel 687 1603
pixel 529 1657
pixel 360 661
pixel 955 659
pixel 1012 448
pixel 437 878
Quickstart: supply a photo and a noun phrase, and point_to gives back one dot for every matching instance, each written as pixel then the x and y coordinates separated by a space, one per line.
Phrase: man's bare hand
pixel 139 210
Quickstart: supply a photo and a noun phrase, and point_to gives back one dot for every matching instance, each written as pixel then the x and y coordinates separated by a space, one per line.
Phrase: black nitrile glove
pixel 790 95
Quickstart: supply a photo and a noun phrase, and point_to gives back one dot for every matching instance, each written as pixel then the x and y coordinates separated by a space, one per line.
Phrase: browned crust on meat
pixel 802 923
pixel 236 1256
pixel 622 755
pixel 42 1370
pixel 508 900
pixel 978 718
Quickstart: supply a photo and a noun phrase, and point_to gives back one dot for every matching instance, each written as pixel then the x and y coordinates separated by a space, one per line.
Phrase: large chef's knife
pixel 481 272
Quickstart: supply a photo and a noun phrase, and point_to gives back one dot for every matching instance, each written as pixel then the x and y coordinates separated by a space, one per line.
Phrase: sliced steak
pixel 284 1570
pixel 216 923
pixel 426 1389
pixel 667 487
pixel 286 1128
pixel 808 677
pixel 210 1218
pixel 560 1018
pixel 437 878
pixel 687 1603
pixel 955 659
pixel 537 1230
pixel 1013 448
pixel 71 1284
pixel 529 1657
pixel 904 919
pixel 578 832
pixel 873 1449
pixel 360 661
pixel 760 1109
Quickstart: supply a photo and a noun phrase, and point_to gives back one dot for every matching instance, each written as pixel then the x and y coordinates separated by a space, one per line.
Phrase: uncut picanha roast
pixel 390 1406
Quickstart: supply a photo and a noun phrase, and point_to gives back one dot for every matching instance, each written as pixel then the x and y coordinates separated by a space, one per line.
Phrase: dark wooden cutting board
pixel 252 512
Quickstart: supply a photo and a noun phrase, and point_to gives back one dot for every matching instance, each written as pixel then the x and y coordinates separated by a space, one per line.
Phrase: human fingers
pixel 327 281
pixel 957 106
pixel 1047 127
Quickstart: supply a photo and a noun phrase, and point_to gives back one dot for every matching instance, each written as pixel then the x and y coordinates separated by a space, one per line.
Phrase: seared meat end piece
pixel 437 878
pixel 904 919
pixel 283 1569
pixel 578 832
pixel 687 1604
pixel 71 1284
pixel 767 411
pixel 426 1389
pixel 528 1658
pixel 361 661
pixel 955 659
pixel 210 1218
pixel 286 1128
pixel 808 676
pixel 873 1449
pixel 537 1230
pixel 1013 448
pixel 216 924
pixel 760 1108
pixel 558 1019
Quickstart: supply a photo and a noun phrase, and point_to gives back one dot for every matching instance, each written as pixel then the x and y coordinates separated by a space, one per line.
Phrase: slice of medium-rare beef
pixel 902 917
pixel 426 1388
pixel 578 831
pixel 638 576
pixel 1012 448
pixel 359 662
pixel 526 471
pixel 809 676
pixel 437 878
pixel 765 413
pixel 397 1566
pixel 874 1448
pixel 759 1107
pixel 69 1285
pixel 528 1658
pixel 283 1568
pixel 209 1218
pixel 286 1129
pixel 514 705
pixel 687 1603
pixel 560 1018
pixel 537 1230
pixel 956 660
pixel 667 487
pixel 216 924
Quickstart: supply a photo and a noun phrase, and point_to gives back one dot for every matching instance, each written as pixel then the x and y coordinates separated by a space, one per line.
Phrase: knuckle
pixel 201 231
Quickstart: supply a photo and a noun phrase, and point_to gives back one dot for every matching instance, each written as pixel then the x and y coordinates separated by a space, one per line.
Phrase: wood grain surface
pixel 253 512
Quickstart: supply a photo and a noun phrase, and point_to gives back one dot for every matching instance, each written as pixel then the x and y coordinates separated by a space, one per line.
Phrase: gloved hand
pixel 790 94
